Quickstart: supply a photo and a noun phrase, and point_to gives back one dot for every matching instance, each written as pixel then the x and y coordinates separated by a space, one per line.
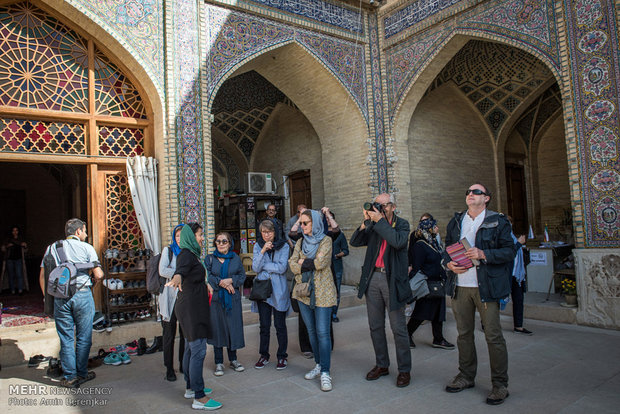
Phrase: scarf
pixel 277 242
pixel 425 226
pixel 224 295
pixel 176 249
pixel 518 270
pixel 311 243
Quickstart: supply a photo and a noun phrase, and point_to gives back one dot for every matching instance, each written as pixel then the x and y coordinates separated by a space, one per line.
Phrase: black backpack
pixel 154 281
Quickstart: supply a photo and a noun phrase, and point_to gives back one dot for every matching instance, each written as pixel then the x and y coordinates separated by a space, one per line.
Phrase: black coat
pixel 394 259
pixel 192 305
pixel 493 237
pixel 424 258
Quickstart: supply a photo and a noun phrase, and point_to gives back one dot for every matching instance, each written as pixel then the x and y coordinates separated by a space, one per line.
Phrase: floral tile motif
pixel 596 75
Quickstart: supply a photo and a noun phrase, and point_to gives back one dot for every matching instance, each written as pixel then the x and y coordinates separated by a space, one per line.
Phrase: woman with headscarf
pixel 226 277
pixel 311 263
pixel 425 256
pixel 193 312
pixel 269 262
pixel 167 299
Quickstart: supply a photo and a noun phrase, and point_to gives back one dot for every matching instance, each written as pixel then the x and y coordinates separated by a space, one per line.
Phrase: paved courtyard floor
pixel 560 369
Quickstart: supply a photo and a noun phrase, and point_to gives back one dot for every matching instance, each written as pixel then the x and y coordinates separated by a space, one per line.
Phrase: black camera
pixel 369 206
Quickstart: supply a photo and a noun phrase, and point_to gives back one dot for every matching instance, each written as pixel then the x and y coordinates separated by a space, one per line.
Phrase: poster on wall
pixel 251 219
pixel 251 244
pixel 243 241
pixel 538 259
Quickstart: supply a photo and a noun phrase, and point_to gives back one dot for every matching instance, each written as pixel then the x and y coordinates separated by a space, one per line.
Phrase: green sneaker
pixel 191 394
pixel 209 405
pixel 124 357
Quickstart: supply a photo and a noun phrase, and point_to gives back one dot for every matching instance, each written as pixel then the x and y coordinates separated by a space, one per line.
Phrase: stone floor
pixel 561 368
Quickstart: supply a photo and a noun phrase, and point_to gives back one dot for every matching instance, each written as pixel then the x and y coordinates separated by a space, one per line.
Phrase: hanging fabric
pixel 142 177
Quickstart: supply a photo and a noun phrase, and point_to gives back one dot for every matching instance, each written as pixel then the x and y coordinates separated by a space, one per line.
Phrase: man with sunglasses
pixel 385 282
pixel 481 288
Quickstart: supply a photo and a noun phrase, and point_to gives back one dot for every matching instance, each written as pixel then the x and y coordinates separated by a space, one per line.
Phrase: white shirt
pixel 469 228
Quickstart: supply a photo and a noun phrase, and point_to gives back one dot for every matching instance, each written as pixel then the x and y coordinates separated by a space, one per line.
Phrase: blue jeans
pixel 74 316
pixel 193 359
pixel 15 268
pixel 318 321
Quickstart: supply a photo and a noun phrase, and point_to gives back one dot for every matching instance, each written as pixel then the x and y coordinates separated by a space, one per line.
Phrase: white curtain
pixel 142 175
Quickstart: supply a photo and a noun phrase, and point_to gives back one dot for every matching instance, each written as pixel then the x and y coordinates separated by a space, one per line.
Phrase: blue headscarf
pixel 311 243
pixel 224 295
pixel 518 270
pixel 174 246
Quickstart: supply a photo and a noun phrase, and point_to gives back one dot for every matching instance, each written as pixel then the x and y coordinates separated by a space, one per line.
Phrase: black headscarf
pixel 277 242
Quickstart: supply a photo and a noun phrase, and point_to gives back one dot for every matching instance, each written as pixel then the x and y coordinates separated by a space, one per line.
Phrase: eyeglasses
pixel 305 223
pixel 475 191
pixel 221 241
pixel 271 209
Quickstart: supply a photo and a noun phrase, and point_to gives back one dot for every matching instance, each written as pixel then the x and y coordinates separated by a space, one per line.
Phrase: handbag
pixel 304 289
pixel 261 290
pixel 436 289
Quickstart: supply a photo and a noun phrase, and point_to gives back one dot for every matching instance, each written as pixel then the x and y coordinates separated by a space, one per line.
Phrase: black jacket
pixel 493 237
pixel 394 258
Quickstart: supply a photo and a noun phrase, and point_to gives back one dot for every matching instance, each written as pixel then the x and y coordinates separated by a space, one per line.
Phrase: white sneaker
pixel 316 371
pixel 326 382
pixel 219 370
pixel 236 366
pixel 119 284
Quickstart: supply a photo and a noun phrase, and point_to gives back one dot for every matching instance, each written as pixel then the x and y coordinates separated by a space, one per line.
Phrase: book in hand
pixel 457 254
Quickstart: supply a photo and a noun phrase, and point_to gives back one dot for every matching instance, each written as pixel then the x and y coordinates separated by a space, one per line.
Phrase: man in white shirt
pixel 74 316
pixel 481 288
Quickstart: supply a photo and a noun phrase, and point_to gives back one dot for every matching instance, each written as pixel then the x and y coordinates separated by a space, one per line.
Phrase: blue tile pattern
pixel 414 13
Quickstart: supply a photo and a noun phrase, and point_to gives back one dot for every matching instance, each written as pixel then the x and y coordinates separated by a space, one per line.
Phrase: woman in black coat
pixel 193 313
pixel 425 256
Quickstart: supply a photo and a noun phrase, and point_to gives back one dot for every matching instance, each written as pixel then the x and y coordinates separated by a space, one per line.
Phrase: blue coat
pixel 227 328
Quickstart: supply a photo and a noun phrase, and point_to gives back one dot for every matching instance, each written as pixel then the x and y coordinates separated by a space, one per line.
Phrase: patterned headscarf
pixel 425 228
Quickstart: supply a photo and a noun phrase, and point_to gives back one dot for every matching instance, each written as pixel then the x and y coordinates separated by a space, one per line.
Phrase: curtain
pixel 142 177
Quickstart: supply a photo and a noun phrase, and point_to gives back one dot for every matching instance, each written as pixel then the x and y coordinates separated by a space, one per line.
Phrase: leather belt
pixel 380 269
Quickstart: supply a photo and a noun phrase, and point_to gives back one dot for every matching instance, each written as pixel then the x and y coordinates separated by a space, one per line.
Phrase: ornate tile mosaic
pixel 232 171
pixel 234 37
pixel 137 24
pixel 377 98
pixel 595 70
pixel 338 15
pixel 539 112
pixel 414 13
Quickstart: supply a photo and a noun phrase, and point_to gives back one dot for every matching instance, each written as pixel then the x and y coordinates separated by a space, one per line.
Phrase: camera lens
pixel 368 206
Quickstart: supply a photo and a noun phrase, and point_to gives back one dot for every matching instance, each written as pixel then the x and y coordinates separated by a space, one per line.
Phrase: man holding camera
pixel 385 282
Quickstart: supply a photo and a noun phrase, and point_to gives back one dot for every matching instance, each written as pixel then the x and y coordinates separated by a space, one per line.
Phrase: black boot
pixel 170 375
pixel 156 346
pixel 142 346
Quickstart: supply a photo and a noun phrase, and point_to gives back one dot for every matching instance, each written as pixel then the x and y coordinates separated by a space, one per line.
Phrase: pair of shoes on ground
pixel 402 380
pixel 210 405
pixel 77 381
pixel 35 360
pixel 497 395
pixel 117 358
pixel 326 379
pixel 443 344
pixel 235 365
pixel 523 331
pixel 260 364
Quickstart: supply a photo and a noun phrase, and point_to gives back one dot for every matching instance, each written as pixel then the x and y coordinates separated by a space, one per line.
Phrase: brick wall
pixel 449 149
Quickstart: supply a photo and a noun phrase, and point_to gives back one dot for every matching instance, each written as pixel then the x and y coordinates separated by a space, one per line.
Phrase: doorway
pixel 301 190
pixel 516 197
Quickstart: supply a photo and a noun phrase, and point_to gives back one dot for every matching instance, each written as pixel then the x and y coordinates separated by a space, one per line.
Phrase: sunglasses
pixel 305 223
pixel 475 192
pixel 221 241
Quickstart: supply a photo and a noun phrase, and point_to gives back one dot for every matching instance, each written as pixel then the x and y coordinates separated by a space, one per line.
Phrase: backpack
pixel 154 281
pixel 63 278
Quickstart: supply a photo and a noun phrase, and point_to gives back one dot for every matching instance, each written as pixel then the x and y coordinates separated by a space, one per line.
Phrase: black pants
pixel 413 324
pixel 218 354
pixel 304 340
pixel 517 302
pixel 279 321
pixel 169 333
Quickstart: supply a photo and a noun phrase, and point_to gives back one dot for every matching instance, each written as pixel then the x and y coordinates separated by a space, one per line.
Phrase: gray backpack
pixel 62 280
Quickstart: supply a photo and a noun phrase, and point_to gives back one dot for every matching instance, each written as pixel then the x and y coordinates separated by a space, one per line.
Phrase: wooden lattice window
pixel 123 231
pixel 44 70
pixel 17 135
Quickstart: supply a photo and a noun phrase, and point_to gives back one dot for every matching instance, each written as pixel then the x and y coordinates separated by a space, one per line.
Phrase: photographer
pixel 385 282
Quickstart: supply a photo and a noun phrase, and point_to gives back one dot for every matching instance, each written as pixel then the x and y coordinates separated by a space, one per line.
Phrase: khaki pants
pixel 464 306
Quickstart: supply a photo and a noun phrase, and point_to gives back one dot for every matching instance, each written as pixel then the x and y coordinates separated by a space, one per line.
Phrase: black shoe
pixel 170 375
pixel 411 343
pixel 443 344
pixel 523 331
pixel 335 319
pixel 156 346
pixel 54 369
pixel 141 346
pixel 36 360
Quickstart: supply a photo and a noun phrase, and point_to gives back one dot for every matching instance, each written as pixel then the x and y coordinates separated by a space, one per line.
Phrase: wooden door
pixel 301 192
pixel 517 204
